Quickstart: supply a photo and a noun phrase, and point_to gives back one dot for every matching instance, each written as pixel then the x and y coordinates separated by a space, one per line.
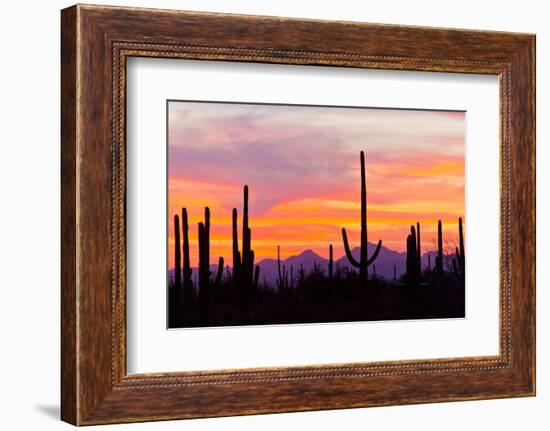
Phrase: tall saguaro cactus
pixel 205 283
pixel 418 251
pixel 330 266
pixel 281 275
pixel 174 311
pixel 412 266
pixel 187 271
pixel 177 255
pixel 236 252
pixel 460 252
pixel 439 257
pixel 364 260
pixel 245 275
pixel 247 254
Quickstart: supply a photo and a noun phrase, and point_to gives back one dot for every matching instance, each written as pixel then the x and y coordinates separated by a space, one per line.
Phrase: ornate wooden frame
pixel 96 41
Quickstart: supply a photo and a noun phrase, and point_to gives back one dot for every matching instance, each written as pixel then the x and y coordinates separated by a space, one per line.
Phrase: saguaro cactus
pixel 245 275
pixel 236 252
pixel 205 283
pixel 418 251
pixel 281 274
pixel 330 266
pixel 412 276
pixel 187 271
pixel 177 255
pixel 364 260
pixel 247 254
pixel 460 252
pixel 174 310
pixel 439 257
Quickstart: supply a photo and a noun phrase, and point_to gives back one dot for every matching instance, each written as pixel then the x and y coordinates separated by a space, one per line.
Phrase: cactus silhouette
pixel 364 260
pixel 330 266
pixel 281 275
pixel 245 275
pixel 205 283
pixel 412 265
pixel 174 311
pixel 187 271
pixel 439 257
pixel 461 260
pixel 418 250
pixel 236 252
pixel 177 257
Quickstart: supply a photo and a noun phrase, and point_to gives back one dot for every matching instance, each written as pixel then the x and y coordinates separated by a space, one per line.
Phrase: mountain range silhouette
pixel 385 262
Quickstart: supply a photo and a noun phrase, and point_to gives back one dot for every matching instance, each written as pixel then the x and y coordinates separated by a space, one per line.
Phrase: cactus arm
pixel 236 253
pixel 251 267
pixel 238 260
pixel 185 228
pixel 375 254
pixel 177 251
pixel 347 249
pixel 250 262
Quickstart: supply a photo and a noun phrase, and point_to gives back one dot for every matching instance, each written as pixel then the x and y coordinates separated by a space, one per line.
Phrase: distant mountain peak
pixel 305 256
pixel 308 252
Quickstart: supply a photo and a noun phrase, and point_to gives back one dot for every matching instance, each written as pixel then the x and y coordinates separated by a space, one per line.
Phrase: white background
pixel 29 225
pixel 151 348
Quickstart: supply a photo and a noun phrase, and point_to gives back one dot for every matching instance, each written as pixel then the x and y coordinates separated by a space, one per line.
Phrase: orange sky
pixel 302 167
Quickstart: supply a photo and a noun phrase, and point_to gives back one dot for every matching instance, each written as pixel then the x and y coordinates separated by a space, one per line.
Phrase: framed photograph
pixel 264 214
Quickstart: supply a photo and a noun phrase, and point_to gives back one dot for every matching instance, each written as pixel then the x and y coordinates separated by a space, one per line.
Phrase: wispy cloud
pixel 302 167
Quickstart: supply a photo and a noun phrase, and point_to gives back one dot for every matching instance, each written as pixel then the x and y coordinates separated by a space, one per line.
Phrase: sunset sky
pixel 302 168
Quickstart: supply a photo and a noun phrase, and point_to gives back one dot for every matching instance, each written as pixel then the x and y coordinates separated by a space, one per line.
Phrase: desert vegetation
pixel 308 288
